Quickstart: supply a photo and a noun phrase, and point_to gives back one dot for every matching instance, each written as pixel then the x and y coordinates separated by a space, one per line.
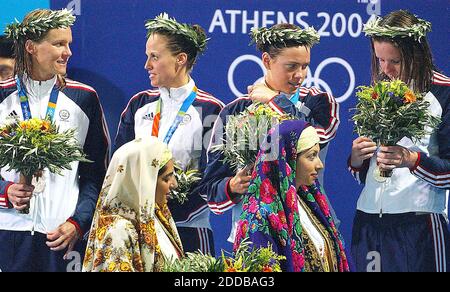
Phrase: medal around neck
pixel 378 176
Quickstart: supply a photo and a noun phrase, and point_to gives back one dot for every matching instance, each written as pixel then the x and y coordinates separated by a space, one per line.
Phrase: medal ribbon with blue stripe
pixel 181 113
pixel 296 97
pixel 25 105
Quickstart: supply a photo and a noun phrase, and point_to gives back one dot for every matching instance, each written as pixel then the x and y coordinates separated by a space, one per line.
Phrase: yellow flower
pixel 45 126
pixel 229 268
pixel 23 125
pixel 277 269
pixel 410 97
pixel 101 233
pixel 149 234
pixel 237 266
pixel 111 267
pixel 36 125
pixel 108 253
pixel 88 256
pixel 125 267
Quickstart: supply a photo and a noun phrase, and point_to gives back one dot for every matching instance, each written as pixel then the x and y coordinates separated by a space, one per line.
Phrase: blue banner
pixel 10 10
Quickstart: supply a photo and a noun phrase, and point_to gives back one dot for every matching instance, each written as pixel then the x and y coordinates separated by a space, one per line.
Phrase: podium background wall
pixel 109 54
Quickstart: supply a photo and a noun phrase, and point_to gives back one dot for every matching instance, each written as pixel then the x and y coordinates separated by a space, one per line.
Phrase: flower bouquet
pixel 262 259
pixel 245 133
pixel 29 147
pixel 194 262
pixel 388 111
pixel 186 181
pixel 244 260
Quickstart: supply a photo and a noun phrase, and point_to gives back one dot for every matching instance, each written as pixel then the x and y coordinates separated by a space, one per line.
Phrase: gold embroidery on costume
pixel 162 215
pixel 314 262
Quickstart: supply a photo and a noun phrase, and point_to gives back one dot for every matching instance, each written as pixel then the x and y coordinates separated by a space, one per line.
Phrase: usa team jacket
pixel 71 196
pixel 188 144
pixel 318 108
pixel 424 188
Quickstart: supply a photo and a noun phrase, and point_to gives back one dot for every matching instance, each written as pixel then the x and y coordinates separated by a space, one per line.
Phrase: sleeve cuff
pixel 4 202
pixel 273 98
pixel 355 169
pixel 77 226
pixel 275 106
pixel 419 155
pixel 230 196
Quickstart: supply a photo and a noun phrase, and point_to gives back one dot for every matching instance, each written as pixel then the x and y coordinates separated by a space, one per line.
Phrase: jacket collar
pixel 38 90
pixel 177 95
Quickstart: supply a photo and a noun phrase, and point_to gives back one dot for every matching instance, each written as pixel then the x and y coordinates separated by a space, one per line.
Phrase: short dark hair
pixel 6 47
pixel 275 49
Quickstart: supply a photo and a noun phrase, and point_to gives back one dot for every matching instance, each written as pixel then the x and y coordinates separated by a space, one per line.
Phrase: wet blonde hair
pixel 24 62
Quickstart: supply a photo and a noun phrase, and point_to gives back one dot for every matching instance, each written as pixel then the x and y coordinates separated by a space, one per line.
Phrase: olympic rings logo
pixel 310 80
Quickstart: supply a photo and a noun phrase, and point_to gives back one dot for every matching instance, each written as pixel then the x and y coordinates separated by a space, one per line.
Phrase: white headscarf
pixel 308 139
pixel 126 233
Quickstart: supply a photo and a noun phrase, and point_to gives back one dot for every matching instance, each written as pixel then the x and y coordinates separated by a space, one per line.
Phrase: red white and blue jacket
pixel 188 144
pixel 425 187
pixel 318 108
pixel 71 196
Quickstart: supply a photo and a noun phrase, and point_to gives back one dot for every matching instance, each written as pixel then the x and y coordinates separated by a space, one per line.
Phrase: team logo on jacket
pixel 64 115
pixel 186 119
pixel 149 117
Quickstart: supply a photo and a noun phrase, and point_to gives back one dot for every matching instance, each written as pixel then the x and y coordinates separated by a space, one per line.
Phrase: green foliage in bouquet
pixel 30 146
pixel 245 133
pixel 186 181
pixel 194 262
pixel 252 260
pixel 244 259
pixel 388 111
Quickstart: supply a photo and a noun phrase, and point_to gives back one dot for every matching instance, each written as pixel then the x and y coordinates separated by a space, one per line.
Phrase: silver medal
pixel 39 184
pixel 377 175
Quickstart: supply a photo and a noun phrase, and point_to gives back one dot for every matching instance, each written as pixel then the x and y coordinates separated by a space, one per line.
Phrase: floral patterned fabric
pixel 130 232
pixel 270 209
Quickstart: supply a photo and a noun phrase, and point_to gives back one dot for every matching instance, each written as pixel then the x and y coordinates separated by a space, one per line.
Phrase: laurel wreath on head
pixel 37 26
pixel 164 23
pixel 417 31
pixel 274 35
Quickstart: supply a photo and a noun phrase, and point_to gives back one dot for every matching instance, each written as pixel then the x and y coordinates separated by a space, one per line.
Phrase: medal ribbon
pixel 296 97
pixel 179 118
pixel 25 105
